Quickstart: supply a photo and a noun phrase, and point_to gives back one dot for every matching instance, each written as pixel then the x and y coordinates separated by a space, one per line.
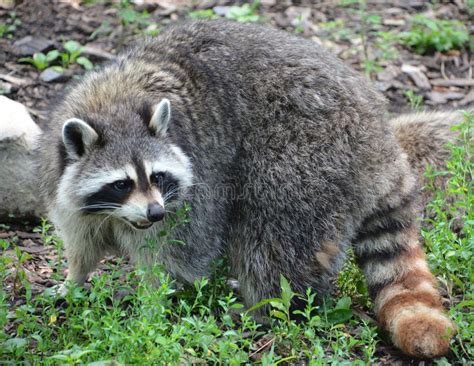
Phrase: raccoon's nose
pixel 155 212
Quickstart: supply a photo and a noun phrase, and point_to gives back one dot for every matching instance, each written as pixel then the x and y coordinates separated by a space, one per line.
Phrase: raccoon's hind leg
pixel 407 303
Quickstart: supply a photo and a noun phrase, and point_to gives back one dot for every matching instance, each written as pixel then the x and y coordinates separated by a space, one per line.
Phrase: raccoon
pixel 283 153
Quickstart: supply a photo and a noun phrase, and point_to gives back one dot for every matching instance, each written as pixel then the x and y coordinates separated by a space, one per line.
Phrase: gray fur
pixel 291 159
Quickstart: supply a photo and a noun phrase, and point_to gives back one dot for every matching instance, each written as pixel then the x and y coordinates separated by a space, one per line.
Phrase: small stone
pixel 418 77
pixel 394 22
pixel 18 135
pixel 389 73
pixel 5 88
pixel 51 74
pixel 468 99
pixel 221 10
pixel 442 98
pixel 7 4
pixel 383 85
pixel 94 51
pixel 29 45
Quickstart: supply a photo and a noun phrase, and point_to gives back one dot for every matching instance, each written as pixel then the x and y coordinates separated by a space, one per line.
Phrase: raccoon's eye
pixel 158 178
pixel 124 186
pixel 165 182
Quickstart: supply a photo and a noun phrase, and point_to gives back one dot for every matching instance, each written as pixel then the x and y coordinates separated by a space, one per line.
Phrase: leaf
pixel 40 61
pixel 286 293
pixel 279 305
pixel 105 363
pixel 262 303
pixel 52 55
pixel 72 46
pixel 13 343
pixel 278 314
pixel 57 69
pixel 338 316
pixel 85 62
pixel 344 303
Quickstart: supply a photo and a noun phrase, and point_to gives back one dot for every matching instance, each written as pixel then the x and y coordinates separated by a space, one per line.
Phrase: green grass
pixel 449 236
pixel 122 319
pixel 428 35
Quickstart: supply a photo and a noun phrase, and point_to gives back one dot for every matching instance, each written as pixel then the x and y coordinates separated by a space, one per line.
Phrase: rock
pixel 51 74
pixel 7 4
pixel 383 85
pixel 221 10
pixel 18 134
pixel 442 98
pixel 468 99
pixel 418 77
pixel 91 50
pixel 389 73
pixel 5 88
pixel 453 82
pixel 29 45
pixel 394 22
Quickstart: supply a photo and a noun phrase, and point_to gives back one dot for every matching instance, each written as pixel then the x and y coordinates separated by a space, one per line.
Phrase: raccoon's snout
pixel 155 212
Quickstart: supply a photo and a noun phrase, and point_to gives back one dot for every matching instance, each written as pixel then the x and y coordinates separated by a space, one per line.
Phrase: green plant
pixel 7 29
pixel 336 30
pixel 449 233
pixel 428 35
pixel 138 21
pixel 415 100
pixel 71 55
pixel 470 6
pixel 130 16
pixel 40 60
pixel 203 14
pixel 244 13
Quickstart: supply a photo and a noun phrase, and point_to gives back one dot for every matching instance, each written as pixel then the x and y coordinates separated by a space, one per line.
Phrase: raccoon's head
pixel 123 166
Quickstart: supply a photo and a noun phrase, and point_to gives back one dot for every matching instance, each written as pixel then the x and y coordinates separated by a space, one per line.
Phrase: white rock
pixel 18 135
pixel 417 75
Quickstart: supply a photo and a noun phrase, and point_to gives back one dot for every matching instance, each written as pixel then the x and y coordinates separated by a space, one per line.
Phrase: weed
pixel 40 60
pixel 139 22
pixel 203 14
pixel 415 100
pixel 428 35
pixel 7 29
pixel 71 55
pixel 470 6
pixel 244 13
pixel 449 234
pixel 130 16
pixel 336 30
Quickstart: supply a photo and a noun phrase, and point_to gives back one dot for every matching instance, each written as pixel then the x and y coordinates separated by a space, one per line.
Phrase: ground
pixel 378 38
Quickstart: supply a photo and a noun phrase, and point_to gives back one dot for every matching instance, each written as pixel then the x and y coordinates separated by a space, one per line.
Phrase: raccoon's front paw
pixel 58 290
pixel 423 333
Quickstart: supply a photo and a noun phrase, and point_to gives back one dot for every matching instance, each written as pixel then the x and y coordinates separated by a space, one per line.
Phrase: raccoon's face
pixel 124 170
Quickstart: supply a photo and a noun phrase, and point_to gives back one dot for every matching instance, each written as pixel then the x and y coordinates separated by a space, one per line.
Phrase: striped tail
pixel 407 302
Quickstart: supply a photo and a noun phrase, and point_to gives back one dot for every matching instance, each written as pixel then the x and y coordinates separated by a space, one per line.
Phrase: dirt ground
pixel 99 26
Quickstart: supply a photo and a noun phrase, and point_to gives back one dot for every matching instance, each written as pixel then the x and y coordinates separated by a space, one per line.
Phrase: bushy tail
pixel 407 302
pixel 424 136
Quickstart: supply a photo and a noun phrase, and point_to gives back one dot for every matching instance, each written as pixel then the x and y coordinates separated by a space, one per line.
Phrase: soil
pixel 99 26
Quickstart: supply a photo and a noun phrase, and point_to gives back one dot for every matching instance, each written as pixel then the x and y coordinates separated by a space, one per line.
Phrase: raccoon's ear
pixel 78 137
pixel 160 118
